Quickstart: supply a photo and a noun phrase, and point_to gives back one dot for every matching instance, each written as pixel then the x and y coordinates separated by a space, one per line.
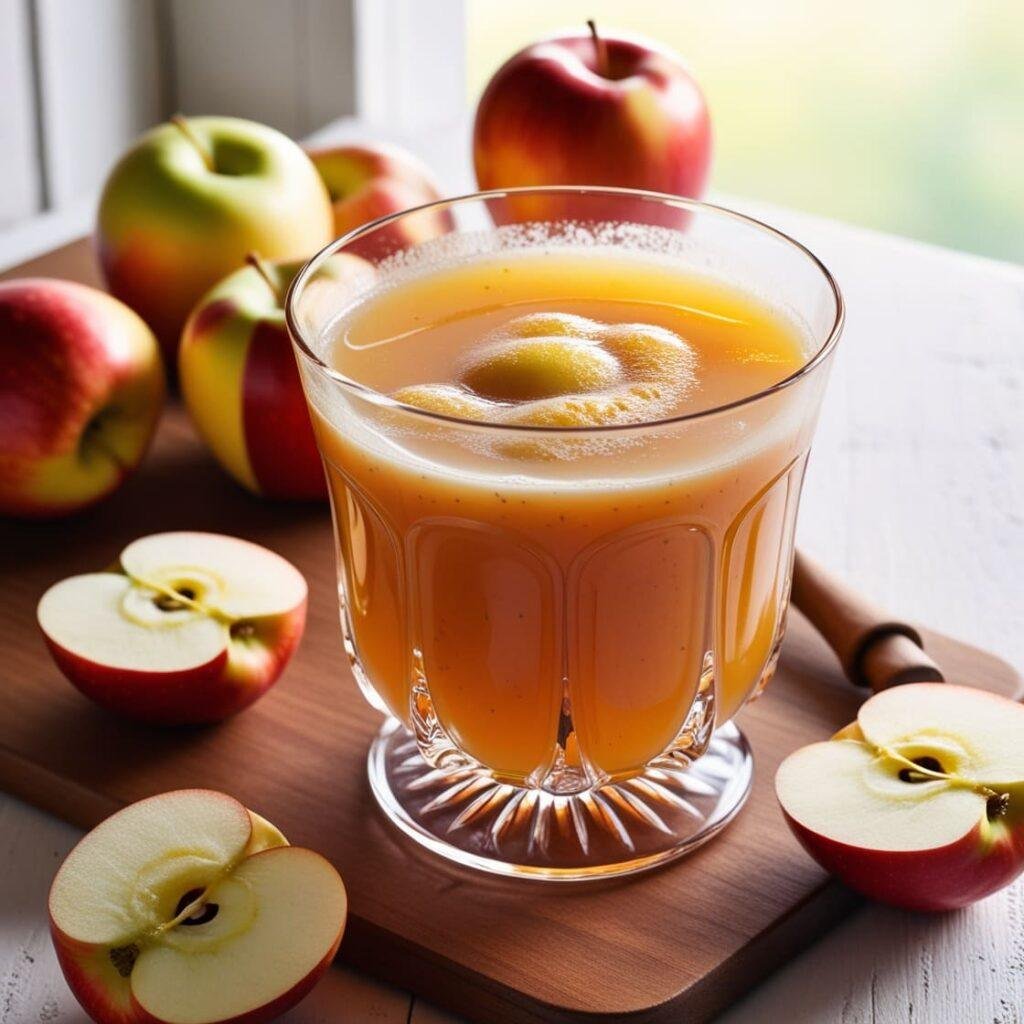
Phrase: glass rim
pixel 368 393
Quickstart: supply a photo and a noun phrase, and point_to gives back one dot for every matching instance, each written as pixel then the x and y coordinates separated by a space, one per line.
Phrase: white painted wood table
pixel 916 495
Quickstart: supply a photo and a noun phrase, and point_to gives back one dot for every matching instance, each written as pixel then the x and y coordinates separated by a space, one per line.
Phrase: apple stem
pixel 600 48
pixel 92 438
pixel 201 148
pixel 260 266
pixel 189 910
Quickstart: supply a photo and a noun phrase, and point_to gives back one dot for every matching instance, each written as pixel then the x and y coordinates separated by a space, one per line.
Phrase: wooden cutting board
pixel 675 945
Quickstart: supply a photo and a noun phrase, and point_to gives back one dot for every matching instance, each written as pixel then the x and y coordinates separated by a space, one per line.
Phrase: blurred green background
pixel 901 115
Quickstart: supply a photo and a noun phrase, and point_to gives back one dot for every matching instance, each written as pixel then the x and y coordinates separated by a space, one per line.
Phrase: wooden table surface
pixel 916 495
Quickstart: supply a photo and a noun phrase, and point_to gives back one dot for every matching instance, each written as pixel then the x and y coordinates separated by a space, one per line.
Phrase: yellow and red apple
pixel 182 208
pixel 592 110
pixel 187 907
pixel 374 180
pixel 920 802
pixel 81 389
pixel 239 379
pixel 195 627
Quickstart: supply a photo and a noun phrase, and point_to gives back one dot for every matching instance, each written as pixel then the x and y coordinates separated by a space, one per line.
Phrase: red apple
pixel 196 627
pixel 592 110
pixel 186 907
pixel 919 804
pixel 373 180
pixel 81 389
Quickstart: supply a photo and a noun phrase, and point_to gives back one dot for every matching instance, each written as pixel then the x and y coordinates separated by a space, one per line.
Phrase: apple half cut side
pixel 196 627
pixel 920 802
pixel 173 910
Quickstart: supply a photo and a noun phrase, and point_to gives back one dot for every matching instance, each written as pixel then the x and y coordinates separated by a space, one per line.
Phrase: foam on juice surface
pixel 559 370
pixel 560 339
pixel 524 327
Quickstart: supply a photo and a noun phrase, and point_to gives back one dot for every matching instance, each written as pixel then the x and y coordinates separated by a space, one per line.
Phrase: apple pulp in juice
pixel 552 591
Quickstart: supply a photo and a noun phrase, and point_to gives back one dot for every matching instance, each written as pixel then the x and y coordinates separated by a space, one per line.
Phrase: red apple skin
pixel 548 117
pixel 222 687
pixel 272 382
pixel 944 878
pixel 373 180
pixel 74 363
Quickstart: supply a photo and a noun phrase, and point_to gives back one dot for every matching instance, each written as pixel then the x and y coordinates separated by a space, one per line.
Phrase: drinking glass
pixel 559 686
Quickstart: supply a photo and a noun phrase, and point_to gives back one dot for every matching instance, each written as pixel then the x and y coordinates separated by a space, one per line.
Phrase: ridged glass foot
pixel 621 828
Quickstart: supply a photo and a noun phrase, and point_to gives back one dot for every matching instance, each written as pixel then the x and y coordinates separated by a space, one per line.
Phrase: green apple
pixel 182 208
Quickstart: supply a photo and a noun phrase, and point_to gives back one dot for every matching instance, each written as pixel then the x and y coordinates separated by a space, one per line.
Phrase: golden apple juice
pixel 554 545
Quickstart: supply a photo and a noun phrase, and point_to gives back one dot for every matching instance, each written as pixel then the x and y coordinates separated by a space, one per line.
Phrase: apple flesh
pixel 196 627
pixel 587 110
pixel 920 803
pixel 182 208
pixel 374 180
pixel 81 390
pixel 180 909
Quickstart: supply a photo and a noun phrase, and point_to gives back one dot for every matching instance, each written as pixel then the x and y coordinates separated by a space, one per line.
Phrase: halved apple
pixel 920 803
pixel 196 627
pixel 186 908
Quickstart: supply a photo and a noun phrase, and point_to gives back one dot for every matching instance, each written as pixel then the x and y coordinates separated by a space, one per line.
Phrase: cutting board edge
pixel 931 635
pixel 82 807
pixel 805 923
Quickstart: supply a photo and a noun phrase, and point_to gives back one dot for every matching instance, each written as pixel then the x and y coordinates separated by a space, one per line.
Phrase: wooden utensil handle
pixel 875 651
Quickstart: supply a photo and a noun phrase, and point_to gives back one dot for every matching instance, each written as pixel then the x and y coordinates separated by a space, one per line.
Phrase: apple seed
pixel 123 958
pixel 206 912
pixel 998 804
pixel 929 764
pixel 169 603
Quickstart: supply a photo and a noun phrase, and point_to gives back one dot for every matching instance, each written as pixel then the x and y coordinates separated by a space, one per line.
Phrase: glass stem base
pixel 463 814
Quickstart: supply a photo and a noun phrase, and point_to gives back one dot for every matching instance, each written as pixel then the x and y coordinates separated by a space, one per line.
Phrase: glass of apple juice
pixel 565 431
